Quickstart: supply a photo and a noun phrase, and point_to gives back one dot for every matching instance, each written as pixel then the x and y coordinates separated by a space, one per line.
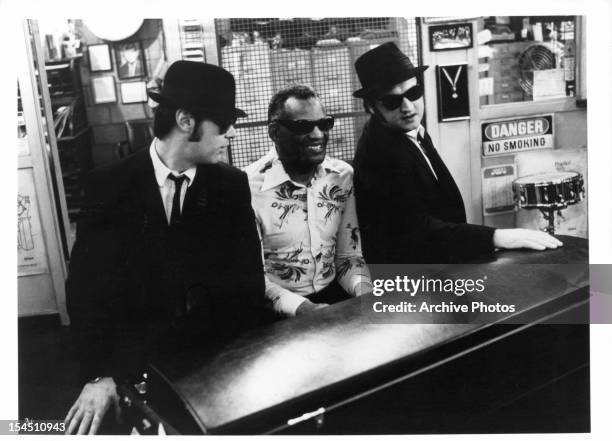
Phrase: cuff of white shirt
pixel 356 279
pixel 291 304
pixel 285 301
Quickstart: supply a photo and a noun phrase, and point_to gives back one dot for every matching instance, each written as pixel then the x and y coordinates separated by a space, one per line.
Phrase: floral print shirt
pixel 309 233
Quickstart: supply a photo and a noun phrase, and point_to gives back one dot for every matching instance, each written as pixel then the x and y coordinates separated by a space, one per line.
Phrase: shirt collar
pixel 162 172
pixel 414 134
pixel 276 175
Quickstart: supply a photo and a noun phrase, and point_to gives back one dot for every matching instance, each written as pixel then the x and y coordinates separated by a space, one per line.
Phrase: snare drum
pixel 549 190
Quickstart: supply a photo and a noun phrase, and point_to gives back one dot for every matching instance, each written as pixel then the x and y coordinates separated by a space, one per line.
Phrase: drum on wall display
pixel 554 178
pixel 550 193
pixel 549 190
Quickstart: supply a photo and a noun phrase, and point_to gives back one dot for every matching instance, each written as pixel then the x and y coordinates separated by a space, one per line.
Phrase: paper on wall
pixel 485 86
pixel 549 83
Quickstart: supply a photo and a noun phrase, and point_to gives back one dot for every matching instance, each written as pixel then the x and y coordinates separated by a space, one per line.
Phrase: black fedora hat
pixel 382 68
pixel 199 87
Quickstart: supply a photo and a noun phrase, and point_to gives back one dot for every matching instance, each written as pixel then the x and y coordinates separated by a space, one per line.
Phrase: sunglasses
pixel 305 126
pixel 392 102
pixel 224 125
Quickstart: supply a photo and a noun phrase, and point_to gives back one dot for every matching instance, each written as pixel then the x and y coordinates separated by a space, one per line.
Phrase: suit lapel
pixel 197 196
pixel 445 179
pixel 418 157
pixel 146 191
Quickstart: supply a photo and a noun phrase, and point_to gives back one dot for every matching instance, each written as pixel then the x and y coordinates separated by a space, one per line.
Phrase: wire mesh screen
pixel 266 54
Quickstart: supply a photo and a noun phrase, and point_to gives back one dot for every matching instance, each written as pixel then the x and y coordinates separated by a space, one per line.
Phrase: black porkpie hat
pixel 199 87
pixel 382 68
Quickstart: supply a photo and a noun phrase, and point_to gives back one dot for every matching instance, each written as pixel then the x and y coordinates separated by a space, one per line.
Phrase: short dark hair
pixel 163 120
pixel 276 107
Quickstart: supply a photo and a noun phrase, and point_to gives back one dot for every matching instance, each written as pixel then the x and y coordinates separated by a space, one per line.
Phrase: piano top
pixel 296 357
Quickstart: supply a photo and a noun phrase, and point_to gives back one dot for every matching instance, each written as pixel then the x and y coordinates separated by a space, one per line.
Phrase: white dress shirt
pixel 166 186
pixel 310 234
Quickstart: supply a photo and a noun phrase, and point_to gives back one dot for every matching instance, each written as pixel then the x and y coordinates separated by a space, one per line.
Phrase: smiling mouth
pixel 318 148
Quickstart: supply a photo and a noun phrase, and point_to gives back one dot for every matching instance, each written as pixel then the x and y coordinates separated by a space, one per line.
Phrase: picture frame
pixel 103 90
pixel 133 92
pixel 100 59
pixel 449 19
pixel 451 36
pixel 130 59
pixel 453 93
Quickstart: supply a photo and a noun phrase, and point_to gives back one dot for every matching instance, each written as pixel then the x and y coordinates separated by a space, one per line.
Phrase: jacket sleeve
pixel 91 283
pixel 428 235
pixel 248 276
pixel 397 226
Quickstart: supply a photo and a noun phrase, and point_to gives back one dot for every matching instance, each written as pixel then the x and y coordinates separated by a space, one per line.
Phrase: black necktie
pixel 444 177
pixel 175 215
pixel 432 155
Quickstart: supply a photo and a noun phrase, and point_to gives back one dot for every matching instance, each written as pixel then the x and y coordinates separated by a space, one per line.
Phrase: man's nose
pixel 231 132
pixel 407 106
pixel 316 133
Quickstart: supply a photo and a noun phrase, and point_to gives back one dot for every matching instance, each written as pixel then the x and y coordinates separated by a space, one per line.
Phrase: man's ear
pixel 273 132
pixel 184 121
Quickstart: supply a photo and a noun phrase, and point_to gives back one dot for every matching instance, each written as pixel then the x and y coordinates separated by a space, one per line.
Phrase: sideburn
pixel 196 134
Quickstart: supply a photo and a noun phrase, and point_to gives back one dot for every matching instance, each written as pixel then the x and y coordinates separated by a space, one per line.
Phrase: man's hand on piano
pixel 512 238
pixel 89 409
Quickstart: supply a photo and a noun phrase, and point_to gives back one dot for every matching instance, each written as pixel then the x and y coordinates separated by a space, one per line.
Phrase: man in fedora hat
pixel 167 256
pixel 409 207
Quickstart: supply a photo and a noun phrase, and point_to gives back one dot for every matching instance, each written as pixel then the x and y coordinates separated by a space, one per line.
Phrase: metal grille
pixel 267 54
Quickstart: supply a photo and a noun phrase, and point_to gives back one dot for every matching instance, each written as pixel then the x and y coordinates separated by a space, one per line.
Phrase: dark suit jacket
pixel 405 214
pixel 132 276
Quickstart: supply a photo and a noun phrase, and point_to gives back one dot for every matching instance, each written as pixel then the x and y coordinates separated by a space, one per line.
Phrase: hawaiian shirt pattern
pixel 309 233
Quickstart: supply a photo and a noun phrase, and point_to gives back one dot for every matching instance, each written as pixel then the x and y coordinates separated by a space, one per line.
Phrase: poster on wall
pixel 517 135
pixel 572 220
pixel 497 195
pixel 31 252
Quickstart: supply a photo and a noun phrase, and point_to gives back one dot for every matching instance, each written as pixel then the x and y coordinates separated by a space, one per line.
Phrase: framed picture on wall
pixel 429 20
pixel 103 90
pixel 133 92
pixel 450 36
pixel 130 60
pixel 100 59
pixel 453 94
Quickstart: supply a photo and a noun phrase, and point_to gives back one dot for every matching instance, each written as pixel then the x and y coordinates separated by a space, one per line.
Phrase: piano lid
pixel 290 359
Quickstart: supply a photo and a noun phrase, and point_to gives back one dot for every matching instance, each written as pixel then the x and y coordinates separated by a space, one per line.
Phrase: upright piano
pixel 337 372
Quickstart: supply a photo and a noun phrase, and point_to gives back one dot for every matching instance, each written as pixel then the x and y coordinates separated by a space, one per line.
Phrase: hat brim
pixel 379 88
pixel 159 98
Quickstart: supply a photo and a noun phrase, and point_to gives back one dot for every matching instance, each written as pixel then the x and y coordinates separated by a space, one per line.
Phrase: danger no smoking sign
pixel 517 135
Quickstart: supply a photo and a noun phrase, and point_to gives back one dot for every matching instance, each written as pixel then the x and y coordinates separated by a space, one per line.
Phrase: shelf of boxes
pixel 250 65
pixel 341 143
pixel 331 69
pixel 291 67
